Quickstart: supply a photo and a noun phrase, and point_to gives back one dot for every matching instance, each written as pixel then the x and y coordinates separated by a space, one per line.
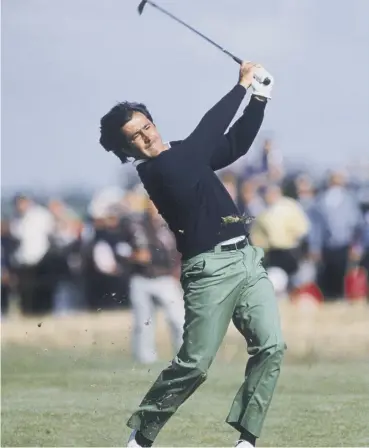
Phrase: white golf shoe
pixel 244 444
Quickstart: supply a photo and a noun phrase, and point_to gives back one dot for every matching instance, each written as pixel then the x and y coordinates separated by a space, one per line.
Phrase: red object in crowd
pixel 356 283
pixel 308 290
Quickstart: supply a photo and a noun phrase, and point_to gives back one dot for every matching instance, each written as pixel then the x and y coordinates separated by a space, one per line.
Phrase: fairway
pixel 79 398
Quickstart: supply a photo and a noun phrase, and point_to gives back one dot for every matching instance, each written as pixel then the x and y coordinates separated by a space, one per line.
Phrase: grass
pixel 76 398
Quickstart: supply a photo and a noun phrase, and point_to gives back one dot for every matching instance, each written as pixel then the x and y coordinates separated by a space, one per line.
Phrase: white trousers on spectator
pixel 168 293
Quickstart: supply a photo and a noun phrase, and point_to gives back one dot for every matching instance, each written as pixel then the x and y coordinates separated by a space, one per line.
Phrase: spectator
pixel 35 278
pixel 268 169
pixel 306 196
pixel 66 248
pixel 156 265
pixel 107 265
pixel 336 234
pixel 251 203
pixel 8 246
pixel 365 252
pixel 279 230
pixel 305 191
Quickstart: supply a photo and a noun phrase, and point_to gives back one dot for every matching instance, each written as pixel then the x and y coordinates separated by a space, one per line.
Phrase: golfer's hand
pixel 246 75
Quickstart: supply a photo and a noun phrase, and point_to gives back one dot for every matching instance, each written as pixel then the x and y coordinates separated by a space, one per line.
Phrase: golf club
pixel 141 6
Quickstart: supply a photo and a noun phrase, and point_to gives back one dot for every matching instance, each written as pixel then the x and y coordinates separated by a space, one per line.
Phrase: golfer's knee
pixel 279 348
pixel 271 349
pixel 276 350
pixel 194 367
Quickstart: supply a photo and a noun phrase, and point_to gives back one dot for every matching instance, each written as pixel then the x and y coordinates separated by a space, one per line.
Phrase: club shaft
pixel 235 58
pixel 265 81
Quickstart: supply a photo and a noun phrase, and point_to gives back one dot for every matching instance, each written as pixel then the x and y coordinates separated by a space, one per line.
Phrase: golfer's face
pixel 143 137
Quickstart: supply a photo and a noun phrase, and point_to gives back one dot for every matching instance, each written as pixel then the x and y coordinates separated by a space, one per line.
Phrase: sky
pixel 65 63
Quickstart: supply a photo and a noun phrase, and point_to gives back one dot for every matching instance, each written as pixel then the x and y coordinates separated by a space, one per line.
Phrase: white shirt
pixel 33 230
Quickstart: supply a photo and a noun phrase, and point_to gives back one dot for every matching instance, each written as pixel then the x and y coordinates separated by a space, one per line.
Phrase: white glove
pixel 259 88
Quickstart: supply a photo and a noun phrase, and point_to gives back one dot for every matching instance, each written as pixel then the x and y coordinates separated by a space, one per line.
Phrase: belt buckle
pixel 234 246
pixel 241 244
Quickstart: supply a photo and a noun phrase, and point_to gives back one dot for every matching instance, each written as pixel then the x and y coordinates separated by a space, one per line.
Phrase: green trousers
pixel 220 287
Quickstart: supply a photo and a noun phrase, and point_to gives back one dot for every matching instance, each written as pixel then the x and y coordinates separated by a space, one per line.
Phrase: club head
pixel 141 6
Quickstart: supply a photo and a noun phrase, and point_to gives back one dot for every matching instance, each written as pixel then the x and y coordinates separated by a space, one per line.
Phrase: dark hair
pixel 112 138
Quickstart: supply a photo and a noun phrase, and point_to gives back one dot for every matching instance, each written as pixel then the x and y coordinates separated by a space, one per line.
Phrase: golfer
pixel 222 275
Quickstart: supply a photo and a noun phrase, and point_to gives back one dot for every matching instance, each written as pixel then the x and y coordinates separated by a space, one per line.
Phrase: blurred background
pixel 66 63
pixel 81 243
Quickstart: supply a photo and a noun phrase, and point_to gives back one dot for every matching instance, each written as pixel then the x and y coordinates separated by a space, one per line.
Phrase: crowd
pixel 121 254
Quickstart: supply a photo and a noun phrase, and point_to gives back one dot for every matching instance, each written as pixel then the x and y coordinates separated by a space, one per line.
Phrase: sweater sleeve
pixel 238 140
pixel 215 123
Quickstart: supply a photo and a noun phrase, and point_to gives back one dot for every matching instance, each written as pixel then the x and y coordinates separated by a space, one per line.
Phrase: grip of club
pixel 238 60
pixel 262 80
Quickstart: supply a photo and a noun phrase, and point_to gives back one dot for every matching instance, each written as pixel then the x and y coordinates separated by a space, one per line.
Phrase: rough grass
pixel 74 398
pixel 70 382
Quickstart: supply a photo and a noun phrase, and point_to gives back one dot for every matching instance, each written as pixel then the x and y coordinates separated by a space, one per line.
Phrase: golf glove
pixel 259 88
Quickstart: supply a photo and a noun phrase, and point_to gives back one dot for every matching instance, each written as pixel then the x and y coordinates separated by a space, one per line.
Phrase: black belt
pixel 234 246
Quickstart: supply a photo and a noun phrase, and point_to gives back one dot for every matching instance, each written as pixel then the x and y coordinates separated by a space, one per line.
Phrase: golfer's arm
pixel 215 122
pixel 238 140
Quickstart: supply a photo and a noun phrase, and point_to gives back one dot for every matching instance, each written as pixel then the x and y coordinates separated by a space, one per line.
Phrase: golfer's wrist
pixel 246 85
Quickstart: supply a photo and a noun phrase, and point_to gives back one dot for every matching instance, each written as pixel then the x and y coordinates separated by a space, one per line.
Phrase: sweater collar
pixel 138 162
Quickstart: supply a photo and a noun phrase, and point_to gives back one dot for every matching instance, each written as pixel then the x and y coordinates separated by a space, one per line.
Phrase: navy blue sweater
pixel 182 183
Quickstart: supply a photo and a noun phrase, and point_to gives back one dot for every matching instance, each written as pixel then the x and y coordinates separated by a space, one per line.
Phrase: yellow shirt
pixel 281 226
